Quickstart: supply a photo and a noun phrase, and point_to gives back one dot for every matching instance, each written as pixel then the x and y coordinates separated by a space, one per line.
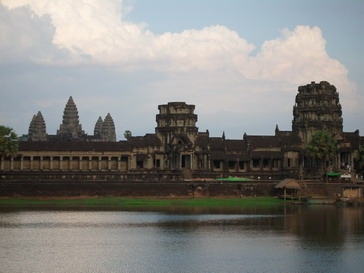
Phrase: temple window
pixel 104 163
pixel 275 163
pixel 291 163
pixel 232 165
pixel 157 163
pixel 186 161
pixel 256 163
pixel 217 164
pixel 241 165
pixel 36 162
pixel 140 164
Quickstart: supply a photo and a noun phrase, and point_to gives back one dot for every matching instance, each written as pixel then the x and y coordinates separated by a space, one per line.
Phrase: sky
pixel 240 62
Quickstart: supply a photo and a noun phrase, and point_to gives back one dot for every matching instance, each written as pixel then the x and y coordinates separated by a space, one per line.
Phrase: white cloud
pixel 295 57
pixel 25 36
pixel 96 29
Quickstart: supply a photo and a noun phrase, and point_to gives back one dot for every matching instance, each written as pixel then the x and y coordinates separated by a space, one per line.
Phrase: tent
pixel 333 174
pixel 289 184
pixel 235 179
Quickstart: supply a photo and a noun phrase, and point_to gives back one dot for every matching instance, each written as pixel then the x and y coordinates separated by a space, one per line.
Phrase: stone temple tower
pixel 176 119
pixel 70 129
pixel 317 107
pixel 176 128
pixel 98 128
pixel 105 129
pixel 108 129
pixel 37 128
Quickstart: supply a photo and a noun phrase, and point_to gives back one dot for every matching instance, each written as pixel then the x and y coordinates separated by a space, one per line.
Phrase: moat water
pixel 272 239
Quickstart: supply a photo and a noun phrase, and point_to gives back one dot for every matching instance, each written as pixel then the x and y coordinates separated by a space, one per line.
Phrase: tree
pixel 360 160
pixel 323 147
pixel 8 142
pixel 127 134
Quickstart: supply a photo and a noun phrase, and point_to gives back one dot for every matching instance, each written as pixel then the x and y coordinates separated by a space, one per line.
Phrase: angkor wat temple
pixel 177 150
pixel 71 129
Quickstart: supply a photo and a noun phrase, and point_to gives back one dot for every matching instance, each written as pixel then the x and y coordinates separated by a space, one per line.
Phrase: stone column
pixel 41 162
pixel 50 162
pixel 98 163
pixel 261 164
pixel 164 163
pixel 90 163
pixel 270 164
pixel 119 163
pixel 11 163
pixel 21 162
pixel 70 163
pixel 61 163
pixel 179 161
pixel 129 162
pixel 31 163
pixel 109 163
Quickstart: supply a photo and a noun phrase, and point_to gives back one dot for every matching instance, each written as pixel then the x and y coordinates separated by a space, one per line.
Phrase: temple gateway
pixel 177 150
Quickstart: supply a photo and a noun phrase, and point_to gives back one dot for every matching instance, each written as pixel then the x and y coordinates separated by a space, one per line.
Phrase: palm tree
pixel 323 147
pixel 8 142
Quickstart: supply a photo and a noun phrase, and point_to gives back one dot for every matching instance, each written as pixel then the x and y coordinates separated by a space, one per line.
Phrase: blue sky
pixel 239 62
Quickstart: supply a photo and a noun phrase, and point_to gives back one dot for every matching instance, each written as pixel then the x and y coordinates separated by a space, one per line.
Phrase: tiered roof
pixel 37 128
pixel 108 129
pixel 98 127
pixel 70 129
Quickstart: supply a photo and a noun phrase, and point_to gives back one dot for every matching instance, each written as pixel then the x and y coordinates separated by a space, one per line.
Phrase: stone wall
pixel 127 189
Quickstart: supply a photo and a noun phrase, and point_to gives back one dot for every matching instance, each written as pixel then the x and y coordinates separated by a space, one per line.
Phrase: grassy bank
pixel 135 202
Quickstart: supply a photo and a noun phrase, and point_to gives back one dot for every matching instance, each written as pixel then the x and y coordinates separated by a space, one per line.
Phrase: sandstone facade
pixel 177 149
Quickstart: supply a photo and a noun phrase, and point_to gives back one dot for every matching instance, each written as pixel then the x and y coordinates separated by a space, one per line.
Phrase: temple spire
pixel 108 129
pixel 37 128
pixel 98 127
pixel 277 129
pixel 70 129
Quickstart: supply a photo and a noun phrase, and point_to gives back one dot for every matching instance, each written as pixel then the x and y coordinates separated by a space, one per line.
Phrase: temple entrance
pixel 186 161
pixel 174 161
pixel 345 160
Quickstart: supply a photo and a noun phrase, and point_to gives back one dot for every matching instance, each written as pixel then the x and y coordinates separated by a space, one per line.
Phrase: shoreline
pixel 140 201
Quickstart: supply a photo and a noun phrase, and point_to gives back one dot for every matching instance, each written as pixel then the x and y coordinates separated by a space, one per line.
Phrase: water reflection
pixel 175 239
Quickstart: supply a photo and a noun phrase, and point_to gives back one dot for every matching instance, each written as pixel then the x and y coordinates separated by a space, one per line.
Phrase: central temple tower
pixel 70 129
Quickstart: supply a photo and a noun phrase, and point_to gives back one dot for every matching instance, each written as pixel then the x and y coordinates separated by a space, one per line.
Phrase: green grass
pixel 145 202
